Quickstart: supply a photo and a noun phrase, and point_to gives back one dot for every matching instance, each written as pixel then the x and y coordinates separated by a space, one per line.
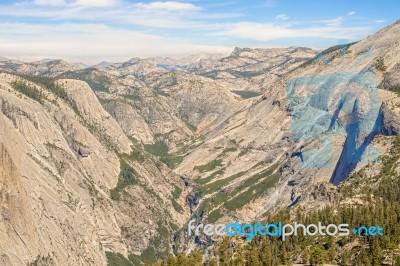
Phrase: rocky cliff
pixel 60 160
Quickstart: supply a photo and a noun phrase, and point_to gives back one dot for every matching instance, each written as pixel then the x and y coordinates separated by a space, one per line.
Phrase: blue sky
pixel 91 31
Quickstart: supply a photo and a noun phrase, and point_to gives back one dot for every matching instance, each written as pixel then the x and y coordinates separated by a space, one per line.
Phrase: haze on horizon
pixel 91 31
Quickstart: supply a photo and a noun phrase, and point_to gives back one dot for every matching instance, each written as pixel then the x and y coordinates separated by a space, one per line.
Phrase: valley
pixel 108 163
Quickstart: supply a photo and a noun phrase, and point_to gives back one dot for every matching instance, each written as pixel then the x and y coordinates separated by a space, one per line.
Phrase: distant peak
pixel 104 64
pixel 237 51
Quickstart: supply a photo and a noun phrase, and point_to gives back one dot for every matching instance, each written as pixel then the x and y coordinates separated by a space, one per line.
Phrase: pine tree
pixel 377 255
pixel 182 259
pixel 364 258
pixel 318 256
pixel 171 261
pixel 196 259
pixel 332 252
pixel 253 258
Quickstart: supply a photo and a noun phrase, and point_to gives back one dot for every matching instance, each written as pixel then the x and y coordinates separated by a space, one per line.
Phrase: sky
pixel 91 31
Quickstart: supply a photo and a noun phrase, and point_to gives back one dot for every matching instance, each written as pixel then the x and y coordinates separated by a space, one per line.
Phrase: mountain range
pixel 117 158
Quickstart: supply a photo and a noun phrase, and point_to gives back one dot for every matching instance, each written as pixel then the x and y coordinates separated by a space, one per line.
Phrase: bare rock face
pixel 130 120
pixel 391 118
pixel 93 113
pixel 248 69
pixel 391 80
pixel 16 223
pixel 48 68
pixel 59 160
pixel 56 181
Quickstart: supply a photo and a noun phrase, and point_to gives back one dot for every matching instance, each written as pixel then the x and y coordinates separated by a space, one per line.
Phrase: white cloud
pixel 168 6
pixel 268 3
pixel 164 15
pixel 92 43
pixel 267 32
pixel 95 3
pixel 77 3
pixel 335 22
pixel 49 2
pixel 379 21
pixel 351 13
pixel 198 28
pixel 282 17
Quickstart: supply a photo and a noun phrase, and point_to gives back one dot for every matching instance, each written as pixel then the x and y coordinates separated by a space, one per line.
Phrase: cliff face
pixel 59 160
pixel 17 223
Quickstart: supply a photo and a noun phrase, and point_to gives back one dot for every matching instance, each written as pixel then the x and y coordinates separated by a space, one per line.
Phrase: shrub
pixel 209 166
pixel 380 64
pixel 246 94
pixel 127 176
pixel 160 149
pixel 117 259
pixel 318 257
pixel 28 90
pixel 177 206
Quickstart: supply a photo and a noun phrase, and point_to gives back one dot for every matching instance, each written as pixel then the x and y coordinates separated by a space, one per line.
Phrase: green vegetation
pixel 48 84
pixel 185 147
pixel 28 90
pixel 395 89
pixel 327 51
pixel 177 193
pixel 42 260
pixel 160 149
pixel 244 74
pixel 162 230
pixel 175 196
pixel 216 185
pixel 243 152
pixel 117 259
pixel 318 256
pixel 127 176
pixel 135 155
pixel 189 125
pixel 203 181
pixel 380 64
pixel 214 216
pixel 246 94
pixel 157 249
pixel 149 255
pixel 171 160
pixel 246 192
pixel 253 179
pixel 177 206
pixel 194 259
pixel 185 120
pixel 209 166
pixel 241 195
pixel 96 80
pixel 231 149
pixel 252 193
